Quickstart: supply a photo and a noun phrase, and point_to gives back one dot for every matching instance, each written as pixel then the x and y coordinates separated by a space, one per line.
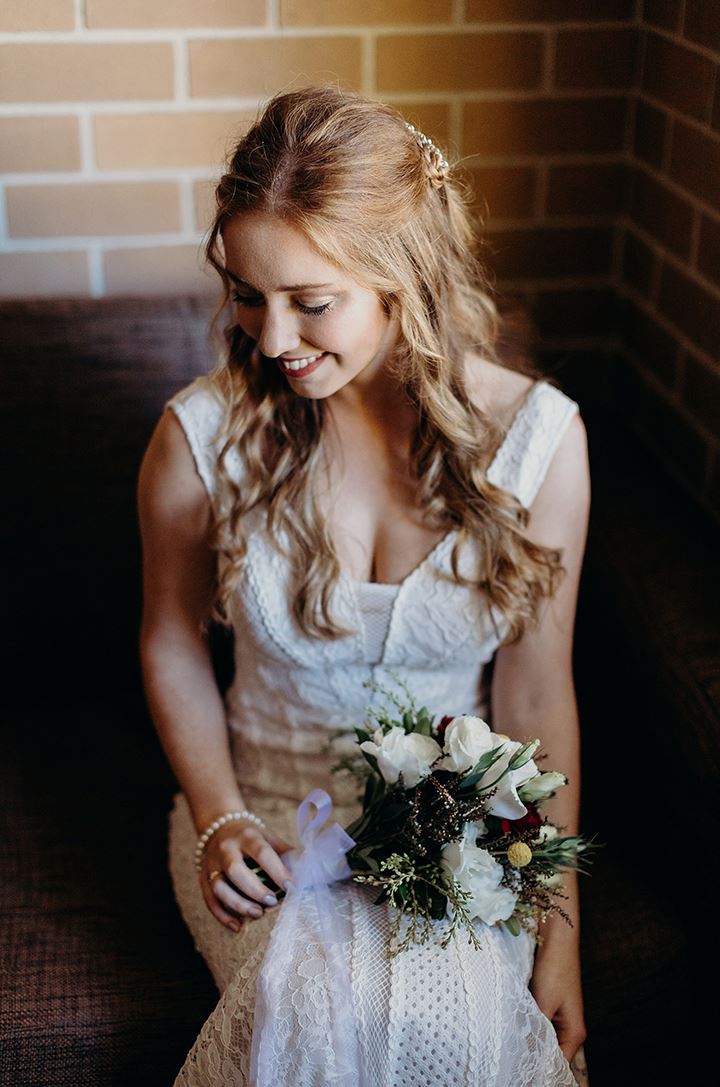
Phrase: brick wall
pixel 114 116
pixel 669 282
pixel 597 178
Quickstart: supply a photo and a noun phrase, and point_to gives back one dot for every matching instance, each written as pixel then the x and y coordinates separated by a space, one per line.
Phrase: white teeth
pixel 299 364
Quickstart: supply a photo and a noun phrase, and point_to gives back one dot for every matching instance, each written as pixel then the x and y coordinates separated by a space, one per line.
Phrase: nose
pixel 277 332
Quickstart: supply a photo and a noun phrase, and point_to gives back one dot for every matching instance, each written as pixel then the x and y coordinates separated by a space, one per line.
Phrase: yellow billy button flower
pixel 519 854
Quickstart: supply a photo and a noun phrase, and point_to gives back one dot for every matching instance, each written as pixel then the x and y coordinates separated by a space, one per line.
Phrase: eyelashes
pixel 314 311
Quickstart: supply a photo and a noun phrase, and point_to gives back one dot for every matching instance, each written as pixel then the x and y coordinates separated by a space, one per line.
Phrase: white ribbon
pixel 308 914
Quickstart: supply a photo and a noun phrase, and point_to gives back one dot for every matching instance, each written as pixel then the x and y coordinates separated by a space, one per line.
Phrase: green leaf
pixel 371 759
pixel 512 925
pixel 523 754
pixel 476 772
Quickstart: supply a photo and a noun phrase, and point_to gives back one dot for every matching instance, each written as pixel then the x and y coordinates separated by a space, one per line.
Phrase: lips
pixel 301 367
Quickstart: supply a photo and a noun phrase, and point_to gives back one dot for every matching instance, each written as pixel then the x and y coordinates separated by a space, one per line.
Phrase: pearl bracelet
pixel 228 817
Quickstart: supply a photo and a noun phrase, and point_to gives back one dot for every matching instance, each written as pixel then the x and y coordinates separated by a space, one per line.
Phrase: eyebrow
pixel 294 287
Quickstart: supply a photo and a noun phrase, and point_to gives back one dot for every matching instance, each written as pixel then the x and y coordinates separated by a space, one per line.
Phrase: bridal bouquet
pixel 451 825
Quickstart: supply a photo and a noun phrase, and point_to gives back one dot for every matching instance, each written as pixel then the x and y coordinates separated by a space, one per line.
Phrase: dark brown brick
pixel 691 308
pixel 673 438
pixel 654 346
pixel 695 162
pixel 458 61
pixel 709 252
pixel 543 126
pixel 678 76
pixel 663 13
pixel 508 191
pixel 701 393
pixel 546 11
pixel 544 252
pixel 596 58
pixel 638 263
pixel 578 312
pixel 661 212
pixel 650 128
pixel 702 23
pixel 595 189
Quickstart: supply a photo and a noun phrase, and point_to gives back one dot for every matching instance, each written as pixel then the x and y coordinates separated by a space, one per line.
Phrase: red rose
pixel 532 818
pixel 442 727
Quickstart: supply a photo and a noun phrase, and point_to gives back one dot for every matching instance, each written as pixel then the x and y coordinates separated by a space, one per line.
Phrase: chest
pixel 372 515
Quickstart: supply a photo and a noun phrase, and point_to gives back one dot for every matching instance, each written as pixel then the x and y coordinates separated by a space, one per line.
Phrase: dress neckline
pixel 452 532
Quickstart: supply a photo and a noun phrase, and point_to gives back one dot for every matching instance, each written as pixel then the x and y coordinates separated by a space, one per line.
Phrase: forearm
pixel 556 725
pixel 189 715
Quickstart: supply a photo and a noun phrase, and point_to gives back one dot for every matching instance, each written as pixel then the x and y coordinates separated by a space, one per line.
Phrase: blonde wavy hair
pixel 356 181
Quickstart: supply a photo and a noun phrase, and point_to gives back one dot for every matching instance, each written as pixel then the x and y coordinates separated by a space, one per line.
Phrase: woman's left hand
pixel 557 989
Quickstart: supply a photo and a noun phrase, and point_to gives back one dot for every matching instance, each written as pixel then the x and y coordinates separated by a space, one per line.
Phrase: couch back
pixel 84 383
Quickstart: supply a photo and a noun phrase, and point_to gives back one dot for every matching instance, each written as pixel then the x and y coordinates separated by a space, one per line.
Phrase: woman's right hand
pixel 232 892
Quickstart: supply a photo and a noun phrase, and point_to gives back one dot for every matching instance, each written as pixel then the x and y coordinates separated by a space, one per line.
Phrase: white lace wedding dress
pixel 459 1017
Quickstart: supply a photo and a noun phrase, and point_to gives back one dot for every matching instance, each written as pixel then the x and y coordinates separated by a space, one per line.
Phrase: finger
pixel 266 856
pixel 279 844
pixel 247 883
pixel 570 1044
pixel 235 902
pixel 218 912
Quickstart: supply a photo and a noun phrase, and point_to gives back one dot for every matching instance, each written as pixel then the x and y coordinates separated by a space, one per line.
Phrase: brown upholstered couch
pixel 101 984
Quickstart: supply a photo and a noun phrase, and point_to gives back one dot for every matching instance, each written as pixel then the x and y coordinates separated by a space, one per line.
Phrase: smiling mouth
pixel 301 367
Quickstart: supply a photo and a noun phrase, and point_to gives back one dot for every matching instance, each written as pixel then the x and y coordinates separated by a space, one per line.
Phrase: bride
pixel 357 486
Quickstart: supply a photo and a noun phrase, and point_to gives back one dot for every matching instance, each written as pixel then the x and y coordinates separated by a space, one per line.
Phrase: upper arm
pixel 535 674
pixel 175 516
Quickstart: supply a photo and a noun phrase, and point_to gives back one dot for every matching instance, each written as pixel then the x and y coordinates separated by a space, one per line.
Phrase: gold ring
pixel 212 875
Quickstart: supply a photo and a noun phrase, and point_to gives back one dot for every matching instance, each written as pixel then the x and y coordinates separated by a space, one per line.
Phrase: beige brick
pixel 136 141
pixel 264 65
pixel 31 275
pixel 45 211
pixel 204 204
pixel 39 143
pixel 22 15
pixel 85 71
pixel 175 269
pixel 432 118
pixel 457 62
pixel 367 13
pixel 170 13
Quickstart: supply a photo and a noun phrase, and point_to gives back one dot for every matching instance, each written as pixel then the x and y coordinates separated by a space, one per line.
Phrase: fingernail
pixel 289 885
pixel 270 900
pixel 234 926
pixel 255 911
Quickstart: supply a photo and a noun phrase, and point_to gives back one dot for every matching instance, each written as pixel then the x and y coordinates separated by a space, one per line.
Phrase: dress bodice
pixel 290 690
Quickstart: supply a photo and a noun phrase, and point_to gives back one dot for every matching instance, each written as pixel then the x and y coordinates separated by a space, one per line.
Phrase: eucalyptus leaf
pixel 512 925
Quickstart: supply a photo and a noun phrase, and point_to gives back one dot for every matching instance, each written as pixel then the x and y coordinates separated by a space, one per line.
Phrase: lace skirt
pixel 430 1017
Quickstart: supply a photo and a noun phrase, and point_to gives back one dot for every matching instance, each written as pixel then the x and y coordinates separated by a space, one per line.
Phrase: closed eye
pixel 248 300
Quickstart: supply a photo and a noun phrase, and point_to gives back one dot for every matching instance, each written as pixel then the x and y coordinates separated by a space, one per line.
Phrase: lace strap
pixel 200 412
pixel 523 458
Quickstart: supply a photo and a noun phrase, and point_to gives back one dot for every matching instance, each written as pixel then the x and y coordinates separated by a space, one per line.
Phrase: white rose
pixel 540 787
pixel 506 804
pixel 467 739
pixel 479 873
pixel 399 752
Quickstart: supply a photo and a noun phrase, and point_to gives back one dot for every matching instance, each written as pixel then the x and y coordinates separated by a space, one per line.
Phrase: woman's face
pixel 322 329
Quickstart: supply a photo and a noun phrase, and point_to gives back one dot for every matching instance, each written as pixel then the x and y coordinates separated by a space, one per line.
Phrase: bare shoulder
pixel 565 494
pixel 497 391
pixel 168 483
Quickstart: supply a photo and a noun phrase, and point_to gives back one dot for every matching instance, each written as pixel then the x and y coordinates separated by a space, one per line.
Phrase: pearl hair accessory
pixel 228 817
pixel 437 163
